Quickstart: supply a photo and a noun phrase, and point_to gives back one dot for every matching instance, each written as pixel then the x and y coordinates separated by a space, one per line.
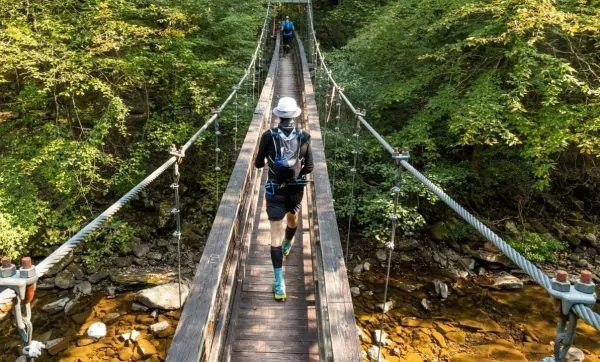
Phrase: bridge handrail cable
pixel 582 311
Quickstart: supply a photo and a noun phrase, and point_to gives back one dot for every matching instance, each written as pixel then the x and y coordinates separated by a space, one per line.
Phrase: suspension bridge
pixel 230 314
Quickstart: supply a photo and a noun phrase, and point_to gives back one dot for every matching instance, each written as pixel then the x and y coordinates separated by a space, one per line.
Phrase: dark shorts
pixel 283 200
pixel 287 40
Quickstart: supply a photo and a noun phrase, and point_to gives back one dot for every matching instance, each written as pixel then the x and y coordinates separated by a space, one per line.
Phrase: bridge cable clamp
pixel 177 152
pixel 400 156
pixel 23 282
pixel 34 349
pixel 582 292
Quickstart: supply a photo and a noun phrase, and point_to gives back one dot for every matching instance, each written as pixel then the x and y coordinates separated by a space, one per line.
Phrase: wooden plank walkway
pixel 261 328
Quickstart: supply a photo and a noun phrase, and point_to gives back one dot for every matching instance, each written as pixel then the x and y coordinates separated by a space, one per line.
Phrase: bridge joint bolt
pixel 8 269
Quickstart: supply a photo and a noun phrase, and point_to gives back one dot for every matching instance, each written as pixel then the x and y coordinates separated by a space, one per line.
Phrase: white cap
pixel 287 108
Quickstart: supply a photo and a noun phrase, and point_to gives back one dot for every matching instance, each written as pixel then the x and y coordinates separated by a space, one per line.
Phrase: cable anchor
pixel 568 295
pixel 23 281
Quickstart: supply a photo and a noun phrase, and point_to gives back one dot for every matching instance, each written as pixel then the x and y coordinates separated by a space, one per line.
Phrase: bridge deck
pixel 261 328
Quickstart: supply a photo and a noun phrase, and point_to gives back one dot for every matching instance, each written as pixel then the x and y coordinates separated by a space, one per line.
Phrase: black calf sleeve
pixel 290 232
pixel 276 256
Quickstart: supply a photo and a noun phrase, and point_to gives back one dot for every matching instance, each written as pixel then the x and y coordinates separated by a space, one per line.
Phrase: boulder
pixel 57 345
pixel 83 288
pixel 140 250
pixel 441 288
pixel 355 291
pixel 406 245
pixel 381 255
pixel 425 304
pixel 77 271
pixel 64 280
pixel 136 307
pixel 123 261
pixel 98 276
pixel 57 306
pixel 367 266
pixel 491 257
pixel 439 231
pixel 97 330
pixel 70 306
pixel 163 296
pixel 358 269
pixel 508 282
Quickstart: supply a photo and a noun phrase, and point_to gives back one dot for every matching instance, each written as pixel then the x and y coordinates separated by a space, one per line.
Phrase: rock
pixel 358 269
pixel 439 231
pixel 134 335
pixel 457 337
pixel 64 280
pixel 155 255
pixel 481 325
pixel 97 330
pixel 425 304
pixel 511 227
pixel 374 355
pixel 492 257
pixel 80 318
pixel 85 342
pixel 84 288
pixel 573 240
pixel 57 306
pixel 444 328
pixel 389 305
pixel 125 353
pixel 136 307
pixel 574 355
pixel 381 255
pixel 111 291
pixel 408 288
pixel 508 282
pixel 407 245
pixel 441 288
pixel 111 318
pixel 355 291
pixel 77 271
pixel 145 348
pixel 70 306
pixel 468 263
pixel 140 250
pixel 123 261
pixel 582 263
pixel 133 278
pixel 380 336
pixel 45 337
pixel 162 329
pixel 96 277
pixel 47 284
pixel 57 345
pixel 367 266
pixel 159 327
pixel 441 341
pixel 163 296
pixel 414 322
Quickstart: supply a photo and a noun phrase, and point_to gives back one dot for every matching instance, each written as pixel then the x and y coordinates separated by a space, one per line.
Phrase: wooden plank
pixel 278 334
pixel 270 313
pixel 274 357
pixel 345 345
pixel 291 288
pixel 194 332
pixel 259 328
pixel 284 347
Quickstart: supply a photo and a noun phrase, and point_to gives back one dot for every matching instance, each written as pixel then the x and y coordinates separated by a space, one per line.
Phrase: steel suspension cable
pixel 336 137
pixel 351 202
pixel 390 247
pixel 217 164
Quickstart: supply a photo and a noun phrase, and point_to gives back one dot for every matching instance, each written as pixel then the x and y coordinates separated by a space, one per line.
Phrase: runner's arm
pixel 308 160
pixel 262 151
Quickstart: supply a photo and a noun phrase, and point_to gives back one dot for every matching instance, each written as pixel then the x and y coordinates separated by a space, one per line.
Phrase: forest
pixel 496 100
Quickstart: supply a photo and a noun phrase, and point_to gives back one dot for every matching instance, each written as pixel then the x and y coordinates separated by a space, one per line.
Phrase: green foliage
pixel 507 75
pixel 537 247
pixel 93 93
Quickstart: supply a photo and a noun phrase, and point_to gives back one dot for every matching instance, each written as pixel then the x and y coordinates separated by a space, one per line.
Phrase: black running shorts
pixel 283 200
